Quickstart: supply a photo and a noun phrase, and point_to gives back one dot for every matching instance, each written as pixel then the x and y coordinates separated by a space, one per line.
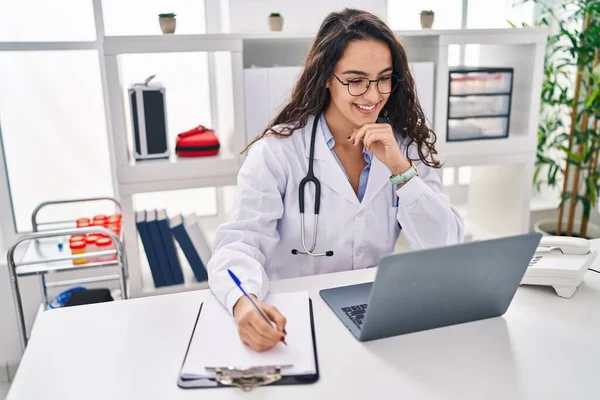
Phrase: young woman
pixel 354 123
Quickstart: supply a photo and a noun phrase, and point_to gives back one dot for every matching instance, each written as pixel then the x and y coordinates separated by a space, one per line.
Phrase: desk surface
pixel 544 347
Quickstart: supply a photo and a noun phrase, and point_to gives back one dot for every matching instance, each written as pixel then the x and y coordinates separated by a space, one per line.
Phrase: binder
pixel 182 236
pixel 159 248
pixel 248 377
pixel 142 227
pixel 169 245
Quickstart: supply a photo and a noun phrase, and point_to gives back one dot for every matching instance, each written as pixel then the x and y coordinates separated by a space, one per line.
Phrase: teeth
pixel 368 108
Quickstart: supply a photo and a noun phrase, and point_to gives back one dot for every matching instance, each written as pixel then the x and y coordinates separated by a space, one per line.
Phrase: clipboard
pixel 247 377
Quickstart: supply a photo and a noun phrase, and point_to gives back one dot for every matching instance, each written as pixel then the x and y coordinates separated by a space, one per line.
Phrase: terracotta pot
pixel 427 20
pixel 276 23
pixel 167 25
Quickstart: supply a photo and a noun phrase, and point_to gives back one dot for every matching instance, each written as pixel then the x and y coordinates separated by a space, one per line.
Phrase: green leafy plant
pixel 568 147
pixel 275 14
pixel 427 12
pixel 167 15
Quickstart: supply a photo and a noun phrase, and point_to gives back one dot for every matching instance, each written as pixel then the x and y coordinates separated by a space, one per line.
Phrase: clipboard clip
pixel 247 378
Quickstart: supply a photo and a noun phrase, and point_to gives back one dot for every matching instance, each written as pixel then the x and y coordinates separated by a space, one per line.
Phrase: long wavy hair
pixel 310 95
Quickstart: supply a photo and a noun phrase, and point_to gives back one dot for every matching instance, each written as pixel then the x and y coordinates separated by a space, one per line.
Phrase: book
pixel 183 237
pixel 169 246
pixel 196 232
pixel 142 227
pixel 159 248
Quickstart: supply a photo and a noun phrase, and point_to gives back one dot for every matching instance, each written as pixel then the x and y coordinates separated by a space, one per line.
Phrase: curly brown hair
pixel 310 95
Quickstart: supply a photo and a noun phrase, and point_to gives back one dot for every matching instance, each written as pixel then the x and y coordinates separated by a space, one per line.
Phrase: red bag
pixel 197 142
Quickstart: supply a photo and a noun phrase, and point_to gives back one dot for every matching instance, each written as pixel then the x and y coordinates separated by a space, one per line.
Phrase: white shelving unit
pixel 500 191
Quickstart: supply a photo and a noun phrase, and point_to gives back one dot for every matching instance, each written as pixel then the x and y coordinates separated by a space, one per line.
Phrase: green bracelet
pixel 404 176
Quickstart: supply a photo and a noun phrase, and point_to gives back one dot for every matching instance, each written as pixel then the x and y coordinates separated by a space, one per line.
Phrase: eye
pixel 385 78
pixel 355 81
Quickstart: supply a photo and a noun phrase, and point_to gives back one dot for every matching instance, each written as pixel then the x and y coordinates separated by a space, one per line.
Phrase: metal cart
pixel 42 265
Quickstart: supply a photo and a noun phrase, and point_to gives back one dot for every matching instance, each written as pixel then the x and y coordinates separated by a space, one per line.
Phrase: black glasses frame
pixel 347 84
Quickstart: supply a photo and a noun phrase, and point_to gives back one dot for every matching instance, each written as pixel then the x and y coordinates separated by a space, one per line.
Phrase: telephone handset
pixel 560 262
pixel 565 244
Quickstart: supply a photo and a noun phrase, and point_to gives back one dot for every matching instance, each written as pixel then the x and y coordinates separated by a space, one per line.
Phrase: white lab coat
pixel 264 226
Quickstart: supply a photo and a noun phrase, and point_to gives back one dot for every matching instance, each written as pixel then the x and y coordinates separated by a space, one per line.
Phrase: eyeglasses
pixel 359 86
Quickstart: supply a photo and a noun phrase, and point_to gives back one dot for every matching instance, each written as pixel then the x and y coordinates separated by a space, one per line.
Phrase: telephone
pixel 560 262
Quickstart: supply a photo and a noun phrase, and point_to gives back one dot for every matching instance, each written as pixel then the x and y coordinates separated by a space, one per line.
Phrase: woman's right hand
pixel 253 329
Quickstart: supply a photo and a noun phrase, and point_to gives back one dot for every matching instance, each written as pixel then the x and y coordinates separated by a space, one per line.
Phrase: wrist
pixel 241 303
pixel 400 167
pixel 401 178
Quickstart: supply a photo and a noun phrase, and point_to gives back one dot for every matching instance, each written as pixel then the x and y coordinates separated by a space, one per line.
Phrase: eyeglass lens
pixel 385 85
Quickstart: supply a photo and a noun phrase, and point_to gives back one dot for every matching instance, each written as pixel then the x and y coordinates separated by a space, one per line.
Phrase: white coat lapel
pixel 326 168
pixel 379 178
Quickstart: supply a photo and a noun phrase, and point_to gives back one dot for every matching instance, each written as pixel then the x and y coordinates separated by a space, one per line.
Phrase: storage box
pixel 149 121
pixel 479 101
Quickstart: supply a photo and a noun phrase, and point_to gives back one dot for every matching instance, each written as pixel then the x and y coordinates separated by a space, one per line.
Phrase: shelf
pixel 481 116
pixel 493 151
pixel 48 46
pixel 481 94
pixel 115 45
pixel 189 284
pixel 178 173
pixel 39 255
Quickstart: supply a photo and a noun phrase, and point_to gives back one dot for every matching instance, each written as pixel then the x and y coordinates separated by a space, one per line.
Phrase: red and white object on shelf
pixel 197 142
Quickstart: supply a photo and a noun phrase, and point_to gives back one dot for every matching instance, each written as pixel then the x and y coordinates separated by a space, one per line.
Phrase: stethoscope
pixel 310 177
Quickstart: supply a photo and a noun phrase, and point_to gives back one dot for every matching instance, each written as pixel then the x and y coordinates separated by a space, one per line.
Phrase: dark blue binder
pixel 169 245
pixel 159 248
pixel 189 250
pixel 142 227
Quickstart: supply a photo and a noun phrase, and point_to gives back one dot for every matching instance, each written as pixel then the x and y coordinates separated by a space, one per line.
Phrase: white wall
pixel 298 16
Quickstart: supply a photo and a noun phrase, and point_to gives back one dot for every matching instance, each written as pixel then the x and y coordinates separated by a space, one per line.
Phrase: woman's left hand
pixel 380 139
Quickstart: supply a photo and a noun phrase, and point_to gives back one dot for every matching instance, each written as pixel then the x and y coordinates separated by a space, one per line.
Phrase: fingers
pixel 275 316
pixel 270 334
pixel 257 333
pixel 358 136
pixel 373 137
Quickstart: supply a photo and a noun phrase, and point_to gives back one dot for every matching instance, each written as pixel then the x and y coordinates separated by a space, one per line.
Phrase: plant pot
pixel 427 20
pixel 167 25
pixel 275 23
pixel 547 227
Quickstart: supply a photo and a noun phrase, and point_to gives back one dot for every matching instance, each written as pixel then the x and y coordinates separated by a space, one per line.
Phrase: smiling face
pixel 361 59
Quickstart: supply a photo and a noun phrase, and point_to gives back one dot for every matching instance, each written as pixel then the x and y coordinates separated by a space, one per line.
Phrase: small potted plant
pixel 275 22
pixel 427 19
pixel 167 22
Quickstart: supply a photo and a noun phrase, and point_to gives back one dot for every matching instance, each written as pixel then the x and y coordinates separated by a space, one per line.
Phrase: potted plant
pixel 167 22
pixel 568 149
pixel 427 17
pixel 275 21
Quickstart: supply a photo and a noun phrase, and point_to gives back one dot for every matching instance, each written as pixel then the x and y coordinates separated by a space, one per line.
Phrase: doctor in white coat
pixel 373 159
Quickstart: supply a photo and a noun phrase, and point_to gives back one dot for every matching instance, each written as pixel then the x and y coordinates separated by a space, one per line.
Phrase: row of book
pixel 158 233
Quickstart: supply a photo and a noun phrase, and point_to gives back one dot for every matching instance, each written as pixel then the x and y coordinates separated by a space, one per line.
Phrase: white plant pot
pixel 427 20
pixel 167 25
pixel 275 23
pixel 547 226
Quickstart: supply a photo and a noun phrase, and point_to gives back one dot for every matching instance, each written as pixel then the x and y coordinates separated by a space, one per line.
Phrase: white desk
pixel 544 347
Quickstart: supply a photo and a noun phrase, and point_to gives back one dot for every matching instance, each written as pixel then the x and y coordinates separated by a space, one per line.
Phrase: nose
pixel 372 95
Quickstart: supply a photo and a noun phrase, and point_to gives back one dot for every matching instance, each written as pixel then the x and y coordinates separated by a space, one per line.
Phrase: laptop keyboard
pixel 356 314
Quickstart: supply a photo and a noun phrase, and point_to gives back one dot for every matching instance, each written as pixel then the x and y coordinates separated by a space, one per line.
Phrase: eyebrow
pixel 355 72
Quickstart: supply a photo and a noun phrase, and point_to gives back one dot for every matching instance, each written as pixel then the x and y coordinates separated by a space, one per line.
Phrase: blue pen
pixel 239 284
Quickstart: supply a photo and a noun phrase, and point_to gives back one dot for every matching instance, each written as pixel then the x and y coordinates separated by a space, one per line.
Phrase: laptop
pixel 428 289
